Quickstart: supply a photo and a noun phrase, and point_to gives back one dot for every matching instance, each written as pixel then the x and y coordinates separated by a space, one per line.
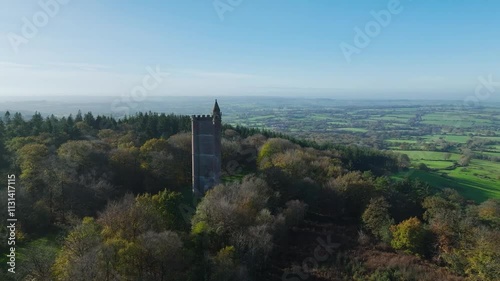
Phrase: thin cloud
pixel 55 66
pixel 10 65
pixel 81 66
pixel 216 74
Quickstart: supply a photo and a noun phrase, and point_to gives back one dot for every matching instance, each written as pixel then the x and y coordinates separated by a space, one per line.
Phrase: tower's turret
pixel 217 119
pixel 217 115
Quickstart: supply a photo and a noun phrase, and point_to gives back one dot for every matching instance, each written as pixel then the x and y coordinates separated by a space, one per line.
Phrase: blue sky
pixel 429 49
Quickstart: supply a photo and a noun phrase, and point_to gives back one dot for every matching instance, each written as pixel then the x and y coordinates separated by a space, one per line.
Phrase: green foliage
pixel 484 257
pixel 352 193
pixel 84 155
pixel 130 217
pixel 238 214
pixel 3 149
pixel 36 256
pixel 30 158
pixel 446 217
pixel 377 219
pixel 423 167
pixel 406 197
pixel 489 212
pixel 383 275
pixel 166 161
pixel 409 236
pixel 367 159
pixel 272 147
pixel 131 238
pixel 125 167
pixel 165 206
pixel 229 208
pixel 225 265
pixel 455 260
pixel 164 256
pixel 77 250
pixel 200 228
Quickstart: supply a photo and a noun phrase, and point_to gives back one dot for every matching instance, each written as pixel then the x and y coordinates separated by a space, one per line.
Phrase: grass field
pixel 450 138
pixel 470 187
pixel 436 164
pixel 47 245
pixel 401 140
pixel 353 130
pixel 428 155
pixel 478 181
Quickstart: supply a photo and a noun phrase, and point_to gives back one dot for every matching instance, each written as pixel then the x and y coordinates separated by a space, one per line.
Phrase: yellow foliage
pixel 199 228
pixel 409 236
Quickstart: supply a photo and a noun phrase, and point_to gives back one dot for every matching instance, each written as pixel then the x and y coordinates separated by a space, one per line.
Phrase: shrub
pixel 423 167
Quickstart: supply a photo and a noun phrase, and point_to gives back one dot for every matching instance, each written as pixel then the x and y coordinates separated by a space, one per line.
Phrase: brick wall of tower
pixel 206 153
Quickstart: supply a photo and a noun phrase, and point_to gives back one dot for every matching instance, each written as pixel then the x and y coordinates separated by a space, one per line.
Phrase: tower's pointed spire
pixel 216 107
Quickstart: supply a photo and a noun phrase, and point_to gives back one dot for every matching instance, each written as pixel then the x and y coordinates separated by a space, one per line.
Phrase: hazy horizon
pixel 341 97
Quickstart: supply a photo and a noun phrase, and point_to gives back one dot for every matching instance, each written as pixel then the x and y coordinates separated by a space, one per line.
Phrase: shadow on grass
pixel 475 190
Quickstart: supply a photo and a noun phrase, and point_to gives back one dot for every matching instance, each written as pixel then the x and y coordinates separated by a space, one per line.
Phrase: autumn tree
pixel 163 256
pixel 409 236
pixel 484 256
pixel 444 213
pixel 30 159
pixel 246 199
pixel 489 212
pixel 224 264
pixel 84 156
pixel 157 162
pixel 78 257
pixel 180 145
pixel 132 239
pixel 353 193
pixel 239 214
pixel 271 147
pixel 125 166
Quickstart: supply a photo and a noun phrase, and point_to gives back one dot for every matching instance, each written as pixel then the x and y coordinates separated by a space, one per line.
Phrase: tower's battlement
pixel 201 117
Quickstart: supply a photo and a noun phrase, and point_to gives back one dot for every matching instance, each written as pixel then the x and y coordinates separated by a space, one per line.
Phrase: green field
pixel 427 155
pixel 478 181
pixel 451 138
pixel 47 245
pixel 469 186
pixel 401 141
pixel 353 130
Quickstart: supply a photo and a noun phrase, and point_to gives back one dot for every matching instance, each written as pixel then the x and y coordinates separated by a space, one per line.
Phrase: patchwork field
pixel 459 146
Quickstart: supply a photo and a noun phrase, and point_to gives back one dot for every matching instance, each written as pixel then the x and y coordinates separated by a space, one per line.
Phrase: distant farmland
pixel 436 134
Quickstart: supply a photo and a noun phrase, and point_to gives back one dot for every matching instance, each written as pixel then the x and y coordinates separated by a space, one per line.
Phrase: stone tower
pixel 206 149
